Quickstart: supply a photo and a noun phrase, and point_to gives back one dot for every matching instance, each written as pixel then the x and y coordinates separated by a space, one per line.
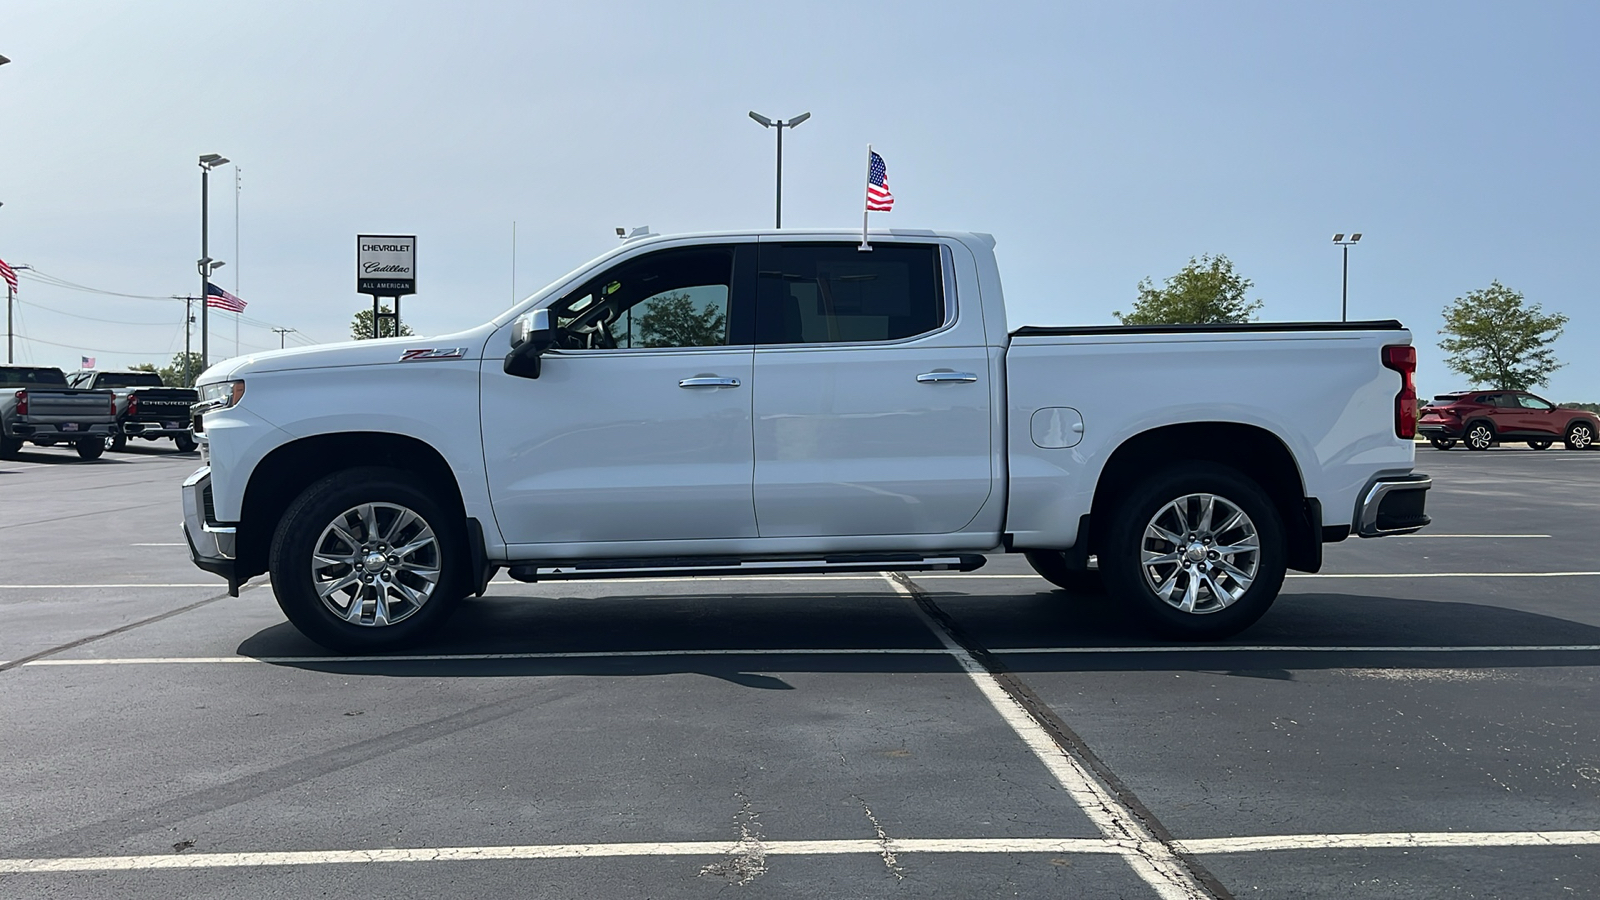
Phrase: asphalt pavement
pixel 1417 720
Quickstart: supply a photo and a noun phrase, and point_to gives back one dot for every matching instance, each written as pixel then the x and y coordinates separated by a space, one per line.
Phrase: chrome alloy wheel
pixel 376 564
pixel 1200 553
pixel 1480 437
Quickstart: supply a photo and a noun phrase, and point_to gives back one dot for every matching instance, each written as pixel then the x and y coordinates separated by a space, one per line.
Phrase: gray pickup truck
pixel 37 405
pixel 146 408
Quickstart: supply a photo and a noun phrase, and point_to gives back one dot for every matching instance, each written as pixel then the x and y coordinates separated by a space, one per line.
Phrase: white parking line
pixel 796 651
pixel 455 657
pixel 1152 860
pixel 1406 839
pixel 175 544
pixel 84 587
pixel 1421 537
pixel 1409 840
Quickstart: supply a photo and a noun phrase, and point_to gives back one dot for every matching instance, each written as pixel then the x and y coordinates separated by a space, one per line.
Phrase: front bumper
pixel 211 543
pixel 1393 504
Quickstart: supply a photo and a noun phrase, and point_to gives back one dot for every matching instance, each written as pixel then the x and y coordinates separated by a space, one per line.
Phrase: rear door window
pixel 824 293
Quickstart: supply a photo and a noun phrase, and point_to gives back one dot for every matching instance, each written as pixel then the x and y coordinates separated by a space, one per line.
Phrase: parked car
pixel 785 403
pixel 37 405
pixel 1482 418
pixel 146 408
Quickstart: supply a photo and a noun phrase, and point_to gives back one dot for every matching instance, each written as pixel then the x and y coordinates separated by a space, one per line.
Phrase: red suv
pixel 1480 418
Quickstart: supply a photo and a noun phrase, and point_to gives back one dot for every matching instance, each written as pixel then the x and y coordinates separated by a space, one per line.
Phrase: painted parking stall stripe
pixel 872 847
pixel 1155 862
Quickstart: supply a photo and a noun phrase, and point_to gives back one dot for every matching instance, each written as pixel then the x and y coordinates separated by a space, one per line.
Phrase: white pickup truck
pixel 791 402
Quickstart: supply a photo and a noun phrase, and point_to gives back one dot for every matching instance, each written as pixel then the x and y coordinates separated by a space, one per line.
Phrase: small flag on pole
pixel 217 298
pixel 9 274
pixel 88 362
pixel 878 197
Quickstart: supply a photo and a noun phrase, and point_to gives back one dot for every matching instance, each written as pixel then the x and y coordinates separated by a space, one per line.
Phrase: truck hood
pixel 382 351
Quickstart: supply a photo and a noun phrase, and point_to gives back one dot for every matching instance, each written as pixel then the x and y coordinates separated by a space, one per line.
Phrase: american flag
pixel 220 299
pixel 9 274
pixel 878 197
pixel 88 362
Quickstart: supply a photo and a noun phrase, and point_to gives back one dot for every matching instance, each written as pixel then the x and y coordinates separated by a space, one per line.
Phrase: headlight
pixel 219 395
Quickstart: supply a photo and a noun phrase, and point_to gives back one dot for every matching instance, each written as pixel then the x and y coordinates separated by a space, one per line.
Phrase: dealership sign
pixel 386 264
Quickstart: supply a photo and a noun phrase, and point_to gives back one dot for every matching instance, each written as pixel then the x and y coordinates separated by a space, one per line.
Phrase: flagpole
pixel 864 195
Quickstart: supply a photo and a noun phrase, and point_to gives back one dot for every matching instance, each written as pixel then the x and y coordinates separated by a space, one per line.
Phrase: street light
pixel 207 162
pixel 1344 299
pixel 779 124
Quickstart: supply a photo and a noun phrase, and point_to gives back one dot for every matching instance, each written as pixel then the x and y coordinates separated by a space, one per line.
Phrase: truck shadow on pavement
pixel 744 638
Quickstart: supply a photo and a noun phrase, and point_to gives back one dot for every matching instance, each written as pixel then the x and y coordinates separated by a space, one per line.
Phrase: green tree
pixel 1205 291
pixel 176 375
pixel 361 325
pixel 672 321
pixel 1495 338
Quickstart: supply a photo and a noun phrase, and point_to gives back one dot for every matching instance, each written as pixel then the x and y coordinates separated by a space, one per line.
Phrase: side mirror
pixel 531 335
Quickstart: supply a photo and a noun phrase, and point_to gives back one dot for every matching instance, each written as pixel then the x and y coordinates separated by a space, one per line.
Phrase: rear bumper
pixel 1393 504
pixel 60 431
pixel 156 428
pixel 1439 430
pixel 211 543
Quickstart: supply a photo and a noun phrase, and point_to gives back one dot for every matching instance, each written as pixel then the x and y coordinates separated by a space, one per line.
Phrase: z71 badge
pixel 445 353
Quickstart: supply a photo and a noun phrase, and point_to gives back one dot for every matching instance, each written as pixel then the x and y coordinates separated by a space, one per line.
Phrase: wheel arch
pixel 288 470
pixel 1254 452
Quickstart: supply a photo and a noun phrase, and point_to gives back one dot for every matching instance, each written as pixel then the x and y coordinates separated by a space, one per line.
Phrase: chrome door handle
pixel 711 381
pixel 939 377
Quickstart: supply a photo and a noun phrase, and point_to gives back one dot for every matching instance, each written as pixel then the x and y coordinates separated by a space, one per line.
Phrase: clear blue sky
pixel 1100 143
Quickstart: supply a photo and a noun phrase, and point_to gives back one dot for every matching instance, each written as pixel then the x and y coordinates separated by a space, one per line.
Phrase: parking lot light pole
pixel 1344 291
pixel 207 162
pixel 779 124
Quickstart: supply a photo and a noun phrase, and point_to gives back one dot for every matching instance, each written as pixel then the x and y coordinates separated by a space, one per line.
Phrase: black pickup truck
pixel 145 407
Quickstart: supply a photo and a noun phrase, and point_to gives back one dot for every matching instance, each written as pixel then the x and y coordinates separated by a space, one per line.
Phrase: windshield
pixel 20 376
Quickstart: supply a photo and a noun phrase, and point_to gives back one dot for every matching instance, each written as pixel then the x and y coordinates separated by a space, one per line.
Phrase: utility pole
pixel 11 328
pixel 281 332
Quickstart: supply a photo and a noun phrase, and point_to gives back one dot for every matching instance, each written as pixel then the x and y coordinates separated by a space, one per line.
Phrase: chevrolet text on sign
pixel 386 264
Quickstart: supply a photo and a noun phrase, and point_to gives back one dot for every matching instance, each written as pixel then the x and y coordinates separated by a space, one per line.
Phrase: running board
pixel 700 565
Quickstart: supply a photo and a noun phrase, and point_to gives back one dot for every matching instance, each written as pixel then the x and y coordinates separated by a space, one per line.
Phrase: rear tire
pixel 1442 443
pixel 1052 567
pixel 1218 577
pixel 9 448
pixel 1580 436
pixel 342 570
pixel 185 442
pixel 1480 436
pixel 119 443
pixel 90 447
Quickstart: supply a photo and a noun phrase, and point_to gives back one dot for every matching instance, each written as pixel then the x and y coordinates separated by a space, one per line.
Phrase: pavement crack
pixel 885 846
pixel 747 860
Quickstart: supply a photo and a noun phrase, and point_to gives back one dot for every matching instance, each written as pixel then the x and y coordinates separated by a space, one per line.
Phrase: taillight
pixel 22 402
pixel 1403 359
pixel 133 404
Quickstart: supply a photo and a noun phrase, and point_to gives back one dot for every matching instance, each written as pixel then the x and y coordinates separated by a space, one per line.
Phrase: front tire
pixel 185 442
pixel 1580 436
pixel 1480 436
pixel 366 560
pixel 90 447
pixel 1197 551
pixel 1052 567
